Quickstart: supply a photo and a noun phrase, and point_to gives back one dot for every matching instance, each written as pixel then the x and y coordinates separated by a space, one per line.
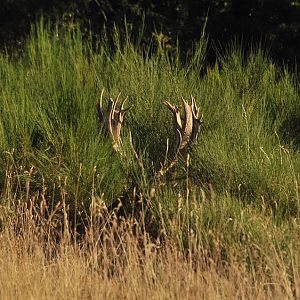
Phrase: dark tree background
pixel 275 23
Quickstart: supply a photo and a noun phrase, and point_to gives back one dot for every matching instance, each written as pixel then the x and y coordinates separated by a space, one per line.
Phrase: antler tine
pixel 121 114
pixel 123 102
pixel 122 105
pixel 197 120
pixel 117 99
pixel 177 123
pixel 195 109
pixel 188 124
pixel 112 110
pixel 110 118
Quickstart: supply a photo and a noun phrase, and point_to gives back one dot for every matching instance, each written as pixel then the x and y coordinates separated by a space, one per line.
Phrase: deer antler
pixel 112 127
pixel 186 130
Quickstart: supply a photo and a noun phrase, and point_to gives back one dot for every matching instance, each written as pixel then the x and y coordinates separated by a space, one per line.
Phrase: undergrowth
pixel 237 189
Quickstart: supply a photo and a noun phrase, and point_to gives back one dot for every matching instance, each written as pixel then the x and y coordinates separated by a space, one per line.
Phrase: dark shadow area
pixel 290 131
pixel 274 23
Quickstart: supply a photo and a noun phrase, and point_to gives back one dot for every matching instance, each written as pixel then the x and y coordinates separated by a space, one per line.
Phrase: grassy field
pixel 224 223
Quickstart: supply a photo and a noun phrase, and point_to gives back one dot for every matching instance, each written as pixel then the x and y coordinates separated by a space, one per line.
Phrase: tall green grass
pixel 242 180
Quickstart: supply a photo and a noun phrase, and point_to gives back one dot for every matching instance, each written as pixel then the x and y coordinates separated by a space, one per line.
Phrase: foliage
pixel 273 23
pixel 238 191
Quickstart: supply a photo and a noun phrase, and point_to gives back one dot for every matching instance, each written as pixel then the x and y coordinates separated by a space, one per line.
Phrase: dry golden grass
pixel 112 261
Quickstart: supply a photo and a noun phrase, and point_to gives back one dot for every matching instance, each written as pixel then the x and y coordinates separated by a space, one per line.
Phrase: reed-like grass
pixel 118 259
pixel 235 198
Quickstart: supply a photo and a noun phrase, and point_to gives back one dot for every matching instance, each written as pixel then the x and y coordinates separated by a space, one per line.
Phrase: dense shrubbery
pixel 233 205
pixel 248 149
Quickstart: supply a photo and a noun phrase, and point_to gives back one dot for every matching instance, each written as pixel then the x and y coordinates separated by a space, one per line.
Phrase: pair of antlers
pixel 186 128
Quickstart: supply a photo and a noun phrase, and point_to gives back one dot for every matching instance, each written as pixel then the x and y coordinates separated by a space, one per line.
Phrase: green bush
pixel 242 180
